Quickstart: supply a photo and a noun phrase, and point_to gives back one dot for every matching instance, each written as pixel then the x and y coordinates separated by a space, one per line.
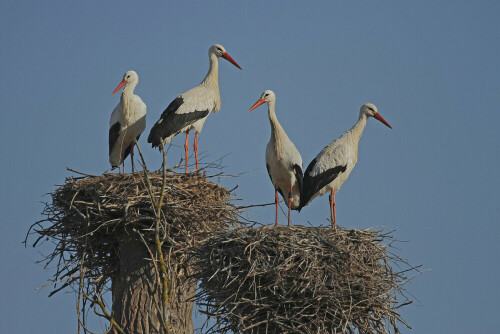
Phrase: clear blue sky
pixel 431 68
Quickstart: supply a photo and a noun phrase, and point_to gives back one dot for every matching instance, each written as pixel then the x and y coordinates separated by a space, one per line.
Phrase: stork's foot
pixel 334 225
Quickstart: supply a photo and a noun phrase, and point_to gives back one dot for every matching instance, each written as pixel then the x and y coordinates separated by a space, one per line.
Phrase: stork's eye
pixel 266 95
pixel 128 76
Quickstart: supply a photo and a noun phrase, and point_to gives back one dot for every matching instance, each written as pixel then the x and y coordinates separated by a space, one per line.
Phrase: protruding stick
pixel 276 200
pixel 132 157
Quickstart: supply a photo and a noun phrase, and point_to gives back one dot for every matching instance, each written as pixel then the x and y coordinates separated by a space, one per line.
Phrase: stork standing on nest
pixel 190 109
pixel 127 122
pixel 283 160
pixel 331 167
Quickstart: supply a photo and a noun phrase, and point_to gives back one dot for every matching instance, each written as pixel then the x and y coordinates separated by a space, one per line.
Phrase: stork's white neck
pixel 273 120
pixel 212 78
pixel 272 114
pixel 127 94
pixel 128 90
pixel 357 130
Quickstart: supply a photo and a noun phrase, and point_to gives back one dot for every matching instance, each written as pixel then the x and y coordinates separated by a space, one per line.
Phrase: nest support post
pixel 137 292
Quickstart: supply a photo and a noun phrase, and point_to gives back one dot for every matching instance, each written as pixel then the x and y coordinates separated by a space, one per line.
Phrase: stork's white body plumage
pixel 342 152
pixel 127 121
pixel 283 160
pixel 189 110
pixel 200 98
pixel 332 166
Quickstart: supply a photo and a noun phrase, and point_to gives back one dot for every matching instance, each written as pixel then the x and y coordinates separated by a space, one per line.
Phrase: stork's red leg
pixel 186 149
pixel 334 213
pixel 289 204
pixel 123 165
pixel 196 148
pixel 276 200
pixel 332 209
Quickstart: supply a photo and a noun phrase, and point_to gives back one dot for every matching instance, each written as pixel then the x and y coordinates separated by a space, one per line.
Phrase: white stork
pixel 127 122
pixel 283 160
pixel 190 109
pixel 332 166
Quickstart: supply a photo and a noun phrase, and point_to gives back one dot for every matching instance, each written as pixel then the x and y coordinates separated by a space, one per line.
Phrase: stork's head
pixel 219 51
pixel 266 97
pixel 128 78
pixel 370 110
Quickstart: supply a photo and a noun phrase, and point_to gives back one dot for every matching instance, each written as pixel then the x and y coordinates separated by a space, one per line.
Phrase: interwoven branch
pixel 301 280
pixel 88 215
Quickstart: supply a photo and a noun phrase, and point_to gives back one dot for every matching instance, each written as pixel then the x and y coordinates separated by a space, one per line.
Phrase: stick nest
pixel 301 280
pixel 88 215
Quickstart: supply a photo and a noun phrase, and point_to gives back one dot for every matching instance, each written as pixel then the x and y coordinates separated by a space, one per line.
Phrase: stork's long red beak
pixel 380 118
pixel 256 104
pixel 231 60
pixel 119 86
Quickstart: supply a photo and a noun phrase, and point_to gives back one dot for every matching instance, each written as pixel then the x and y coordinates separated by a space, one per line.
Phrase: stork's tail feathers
pixel 313 184
pixel 157 136
pixel 154 139
pixel 302 203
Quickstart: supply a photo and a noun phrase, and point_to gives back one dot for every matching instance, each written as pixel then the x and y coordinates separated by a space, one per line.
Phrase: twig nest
pixel 88 215
pixel 300 280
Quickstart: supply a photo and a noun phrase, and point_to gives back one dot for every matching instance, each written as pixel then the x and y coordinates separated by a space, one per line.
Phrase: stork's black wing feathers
pixel 313 184
pixel 172 107
pixel 171 123
pixel 114 133
pixel 310 167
